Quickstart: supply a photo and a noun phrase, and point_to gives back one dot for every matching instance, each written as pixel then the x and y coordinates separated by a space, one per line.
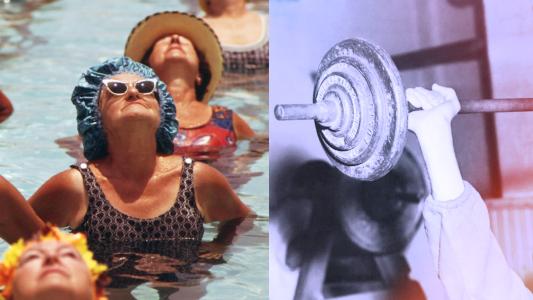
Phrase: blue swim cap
pixel 86 95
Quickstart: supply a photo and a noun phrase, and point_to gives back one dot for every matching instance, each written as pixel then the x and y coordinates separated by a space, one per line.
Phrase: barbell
pixel 360 110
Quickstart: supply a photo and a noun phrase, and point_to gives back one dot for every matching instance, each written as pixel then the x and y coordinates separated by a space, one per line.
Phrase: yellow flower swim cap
pixel 12 256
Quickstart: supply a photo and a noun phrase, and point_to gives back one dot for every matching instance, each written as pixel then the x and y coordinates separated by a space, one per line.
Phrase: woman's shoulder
pixel 66 182
pixel 6 187
pixel 172 163
pixel 60 198
pixel 3 182
pixel 264 18
pixel 221 112
pixel 70 178
pixel 205 174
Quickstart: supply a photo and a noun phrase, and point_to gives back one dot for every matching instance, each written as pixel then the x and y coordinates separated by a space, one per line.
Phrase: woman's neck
pixel 181 91
pixel 180 85
pixel 227 9
pixel 132 152
pixel 189 111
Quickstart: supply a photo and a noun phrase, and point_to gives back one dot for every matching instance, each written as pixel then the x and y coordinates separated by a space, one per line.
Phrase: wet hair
pixel 205 74
pixel 203 70
pixel 86 98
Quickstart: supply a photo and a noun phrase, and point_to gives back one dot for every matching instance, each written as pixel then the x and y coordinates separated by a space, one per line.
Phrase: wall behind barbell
pixel 510 44
pixel 303 30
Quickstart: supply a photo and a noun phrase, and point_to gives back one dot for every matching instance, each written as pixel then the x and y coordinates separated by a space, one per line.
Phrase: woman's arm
pixel 242 129
pixel 432 126
pixel 61 200
pixel 217 201
pixel 6 108
pixel 467 257
pixel 215 198
pixel 17 218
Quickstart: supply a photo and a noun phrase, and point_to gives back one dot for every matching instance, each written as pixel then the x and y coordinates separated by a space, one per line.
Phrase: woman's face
pixel 173 48
pixel 132 106
pixel 52 270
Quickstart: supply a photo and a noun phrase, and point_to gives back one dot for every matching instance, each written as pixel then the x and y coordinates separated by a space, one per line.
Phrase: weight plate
pixel 383 215
pixel 374 111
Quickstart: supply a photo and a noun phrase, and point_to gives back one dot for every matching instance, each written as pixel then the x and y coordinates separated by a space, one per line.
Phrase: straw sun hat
pixel 152 28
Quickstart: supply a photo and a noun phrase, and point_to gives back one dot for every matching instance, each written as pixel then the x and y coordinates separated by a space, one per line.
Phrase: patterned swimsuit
pixel 249 59
pixel 105 225
pixel 217 134
pixel 246 67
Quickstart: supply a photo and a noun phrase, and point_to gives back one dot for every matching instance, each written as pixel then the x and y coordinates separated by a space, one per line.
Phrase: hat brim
pixel 144 35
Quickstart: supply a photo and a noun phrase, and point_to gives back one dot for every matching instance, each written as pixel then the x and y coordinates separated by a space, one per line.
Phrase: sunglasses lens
pixel 145 86
pixel 117 87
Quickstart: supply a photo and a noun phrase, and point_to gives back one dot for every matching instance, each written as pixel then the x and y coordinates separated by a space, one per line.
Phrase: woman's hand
pixel 438 105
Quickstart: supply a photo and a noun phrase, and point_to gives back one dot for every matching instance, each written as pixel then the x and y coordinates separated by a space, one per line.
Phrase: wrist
pixel 443 169
pixel 439 132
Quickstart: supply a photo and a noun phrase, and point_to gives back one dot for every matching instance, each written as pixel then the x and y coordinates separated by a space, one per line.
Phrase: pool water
pixel 44 47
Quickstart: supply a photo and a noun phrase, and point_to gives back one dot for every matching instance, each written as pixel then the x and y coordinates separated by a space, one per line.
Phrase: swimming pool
pixel 44 47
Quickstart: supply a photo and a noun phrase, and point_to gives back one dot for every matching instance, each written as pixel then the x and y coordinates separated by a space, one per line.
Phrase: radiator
pixel 512 223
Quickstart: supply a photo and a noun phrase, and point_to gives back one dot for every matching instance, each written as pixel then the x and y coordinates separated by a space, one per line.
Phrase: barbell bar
pixel 321 114
pixel 360 110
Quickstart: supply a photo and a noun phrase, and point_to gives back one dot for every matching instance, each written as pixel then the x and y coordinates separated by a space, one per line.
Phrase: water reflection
pixel 176 267
pixel 16 17
pixel 163 263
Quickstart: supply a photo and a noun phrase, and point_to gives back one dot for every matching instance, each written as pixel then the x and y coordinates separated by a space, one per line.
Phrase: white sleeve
pixel 468 259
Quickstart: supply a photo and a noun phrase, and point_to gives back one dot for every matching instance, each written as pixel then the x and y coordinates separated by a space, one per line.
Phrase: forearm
pixel 17 218
pixel 227 230
pixel 436 143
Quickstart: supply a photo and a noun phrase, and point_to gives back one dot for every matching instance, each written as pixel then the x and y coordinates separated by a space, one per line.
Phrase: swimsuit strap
pixel 222 117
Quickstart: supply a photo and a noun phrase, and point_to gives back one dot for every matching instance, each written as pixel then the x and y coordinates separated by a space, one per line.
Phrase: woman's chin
pixel 57 291
pixel 138 112
pixel 173 58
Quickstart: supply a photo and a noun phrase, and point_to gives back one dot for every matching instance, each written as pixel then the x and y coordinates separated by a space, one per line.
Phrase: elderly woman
pixel 52 265
pixel 185 53
pixel 132 190
pixel 243 34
